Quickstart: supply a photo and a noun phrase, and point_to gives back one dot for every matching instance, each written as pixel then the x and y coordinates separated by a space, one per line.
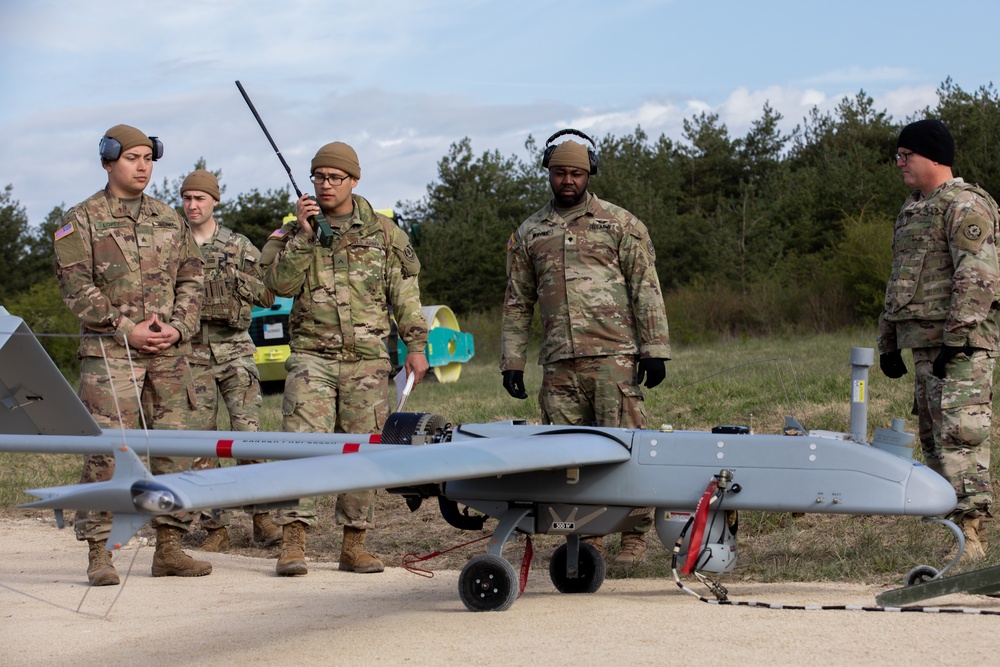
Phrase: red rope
pixel 410 559
pixel 700 519
pixel 529 552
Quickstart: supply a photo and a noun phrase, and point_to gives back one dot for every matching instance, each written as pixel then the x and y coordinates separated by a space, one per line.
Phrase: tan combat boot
pixel 633 549
pixel 975 542
pixel 265 533
pixel 217 540
pixel 100 571
pixel 292 560
pixel 170 561
pixel 353 555
pixel 597 542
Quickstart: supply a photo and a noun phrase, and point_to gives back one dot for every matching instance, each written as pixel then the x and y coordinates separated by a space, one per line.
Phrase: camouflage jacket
pixel 595 282
pixel 343 293
pixel 233 285
pixel 943 288
pixel 115 271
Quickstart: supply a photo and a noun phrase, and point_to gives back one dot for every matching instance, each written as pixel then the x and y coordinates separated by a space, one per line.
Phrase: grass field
pixel 744 382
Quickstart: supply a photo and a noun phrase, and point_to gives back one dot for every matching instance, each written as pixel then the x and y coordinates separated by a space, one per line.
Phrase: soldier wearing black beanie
pixel 930 138
pixel 942 302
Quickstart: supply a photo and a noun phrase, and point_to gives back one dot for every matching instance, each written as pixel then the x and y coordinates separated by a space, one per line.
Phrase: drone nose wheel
pixel 488 583
pixel 921 575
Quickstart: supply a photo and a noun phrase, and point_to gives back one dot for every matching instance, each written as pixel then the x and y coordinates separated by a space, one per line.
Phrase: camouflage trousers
pixel 238 382
pixel 161 385
pixel 594 391
pixel 331 396
pixel 954 416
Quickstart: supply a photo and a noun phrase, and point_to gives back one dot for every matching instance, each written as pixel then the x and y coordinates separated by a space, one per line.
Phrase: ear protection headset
pixel 591 154
pixel 111 149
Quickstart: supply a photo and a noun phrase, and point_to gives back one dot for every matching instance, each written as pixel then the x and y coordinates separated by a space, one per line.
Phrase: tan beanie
pixel 203 181
pixel 570 154
pixel 337 155
pixel 128 137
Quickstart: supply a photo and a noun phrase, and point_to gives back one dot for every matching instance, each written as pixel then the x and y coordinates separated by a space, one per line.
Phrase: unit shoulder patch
pixel 973 233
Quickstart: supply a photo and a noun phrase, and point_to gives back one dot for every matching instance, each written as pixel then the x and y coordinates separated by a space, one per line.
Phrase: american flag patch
pixel 64 231
pixel 510 242
pixel 278 233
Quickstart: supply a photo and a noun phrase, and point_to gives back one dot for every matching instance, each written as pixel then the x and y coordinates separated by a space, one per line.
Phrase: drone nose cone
pixel 154 499
pixel 928 493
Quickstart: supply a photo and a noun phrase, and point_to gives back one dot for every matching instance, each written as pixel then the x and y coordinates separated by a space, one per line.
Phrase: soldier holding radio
pixel 338 371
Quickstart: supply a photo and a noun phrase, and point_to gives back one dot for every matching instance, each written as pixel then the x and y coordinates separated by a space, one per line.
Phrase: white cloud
pixel 905 102
pixel 402 81
pixel 855 76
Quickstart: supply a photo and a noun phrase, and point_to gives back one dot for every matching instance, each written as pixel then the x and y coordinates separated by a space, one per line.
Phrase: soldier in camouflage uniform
pixel 941 302
pixel 129 269
pixel 222 352
pixel 590 266
pixel 338 370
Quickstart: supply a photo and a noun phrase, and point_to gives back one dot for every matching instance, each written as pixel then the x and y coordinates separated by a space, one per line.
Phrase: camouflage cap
pixel 128 137
pixel 203 181
pixel 570 154
pixel 337 155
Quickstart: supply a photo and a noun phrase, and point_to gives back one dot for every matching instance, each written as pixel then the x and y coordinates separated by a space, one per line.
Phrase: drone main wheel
pixel 920 575
pixel 488 583
pixel 590 570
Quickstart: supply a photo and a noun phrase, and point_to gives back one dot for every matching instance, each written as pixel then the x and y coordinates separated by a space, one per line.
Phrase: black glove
pixel 892 364
pixel 653 370
pixel 513 382
pixel 946 354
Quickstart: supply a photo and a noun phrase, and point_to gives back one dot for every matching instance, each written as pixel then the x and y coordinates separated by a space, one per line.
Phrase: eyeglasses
pixel 903 157
pixel 332 179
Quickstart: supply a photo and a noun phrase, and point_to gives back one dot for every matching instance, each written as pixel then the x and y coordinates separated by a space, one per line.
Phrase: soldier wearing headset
pixel 591 268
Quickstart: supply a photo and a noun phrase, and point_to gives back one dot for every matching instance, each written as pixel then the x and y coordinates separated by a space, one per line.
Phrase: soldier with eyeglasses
pixel 338 370
pixel 942 302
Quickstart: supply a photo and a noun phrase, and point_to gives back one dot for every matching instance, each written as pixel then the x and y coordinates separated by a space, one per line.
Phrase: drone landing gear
pixel 576 567
pixel 488 582
pixel 924 582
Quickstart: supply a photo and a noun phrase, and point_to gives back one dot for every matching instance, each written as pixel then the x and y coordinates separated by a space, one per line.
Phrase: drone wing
pixel 135 495
pixel 374 468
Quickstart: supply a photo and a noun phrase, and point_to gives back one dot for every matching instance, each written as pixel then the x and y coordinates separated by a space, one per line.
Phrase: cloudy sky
pixel 401 80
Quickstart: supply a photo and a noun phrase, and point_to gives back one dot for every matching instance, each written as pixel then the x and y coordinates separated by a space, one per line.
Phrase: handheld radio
pixel 319 224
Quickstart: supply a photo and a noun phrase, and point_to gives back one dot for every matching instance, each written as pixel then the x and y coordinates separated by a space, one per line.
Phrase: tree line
pixel 769 232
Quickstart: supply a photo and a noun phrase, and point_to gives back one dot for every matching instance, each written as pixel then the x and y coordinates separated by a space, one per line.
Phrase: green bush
pixel 42 308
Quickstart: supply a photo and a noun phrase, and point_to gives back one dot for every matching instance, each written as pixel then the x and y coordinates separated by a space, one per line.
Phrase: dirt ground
pixel 243 613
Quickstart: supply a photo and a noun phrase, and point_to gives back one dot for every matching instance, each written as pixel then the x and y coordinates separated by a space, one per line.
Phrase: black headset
pixel 111 149
pixel 591 154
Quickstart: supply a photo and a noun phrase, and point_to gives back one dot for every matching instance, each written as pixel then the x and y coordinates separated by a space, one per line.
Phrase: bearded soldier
pixel 344 285
pixel 129 269
pixel 941 302
pixel 590 267
pixel 222 352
